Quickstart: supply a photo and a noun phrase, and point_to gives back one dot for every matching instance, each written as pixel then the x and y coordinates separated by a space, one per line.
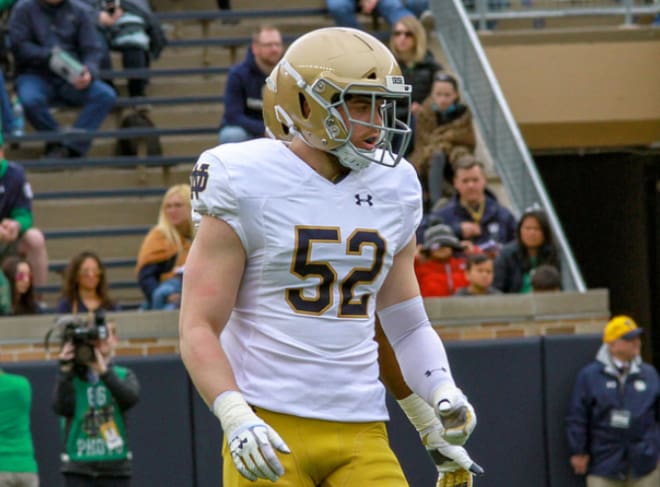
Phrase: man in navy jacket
pixel 474 214
pixel 613 420
pixel 36 27
pixel 242 119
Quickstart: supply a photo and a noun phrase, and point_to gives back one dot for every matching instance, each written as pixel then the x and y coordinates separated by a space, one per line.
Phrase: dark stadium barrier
pixel 519 387
pixel 207 443
pixel 563 357
pixel 159 425
pixel 503 380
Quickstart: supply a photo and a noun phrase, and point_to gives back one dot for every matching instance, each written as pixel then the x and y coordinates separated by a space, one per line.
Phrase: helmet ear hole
pixel 304 106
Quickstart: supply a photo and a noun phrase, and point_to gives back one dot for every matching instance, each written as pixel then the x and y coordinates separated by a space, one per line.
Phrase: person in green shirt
pixel 18 466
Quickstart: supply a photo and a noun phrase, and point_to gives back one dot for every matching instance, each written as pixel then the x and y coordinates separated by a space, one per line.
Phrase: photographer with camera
pixel 93 396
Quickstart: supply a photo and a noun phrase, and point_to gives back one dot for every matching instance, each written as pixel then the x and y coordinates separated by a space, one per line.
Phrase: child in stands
pixel 479 273
pixel 440 272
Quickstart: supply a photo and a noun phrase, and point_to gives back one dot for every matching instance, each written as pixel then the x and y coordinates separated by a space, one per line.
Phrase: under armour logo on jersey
pixel 199 178
pixel 368 199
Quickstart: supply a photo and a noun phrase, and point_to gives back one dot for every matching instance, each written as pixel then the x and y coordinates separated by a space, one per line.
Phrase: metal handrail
pixel 512 159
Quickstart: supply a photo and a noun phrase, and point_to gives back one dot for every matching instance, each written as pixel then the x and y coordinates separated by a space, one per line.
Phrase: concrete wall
pixel 472 318
pixel 586 88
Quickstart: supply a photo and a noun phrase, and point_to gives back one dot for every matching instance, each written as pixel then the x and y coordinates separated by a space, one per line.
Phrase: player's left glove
pixel 455 412
pixel 455 467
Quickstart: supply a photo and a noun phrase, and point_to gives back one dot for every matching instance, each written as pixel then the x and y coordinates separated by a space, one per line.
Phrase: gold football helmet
pixel 306 94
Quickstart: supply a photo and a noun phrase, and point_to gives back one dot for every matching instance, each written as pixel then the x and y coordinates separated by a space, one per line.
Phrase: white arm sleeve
pixel 418 348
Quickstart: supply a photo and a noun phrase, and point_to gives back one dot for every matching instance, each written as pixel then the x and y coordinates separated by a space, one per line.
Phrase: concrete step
pixel 106 247
pixel 178 5
pixel 163 116
pixel 95 213
pixel 175 145
pixel 89 179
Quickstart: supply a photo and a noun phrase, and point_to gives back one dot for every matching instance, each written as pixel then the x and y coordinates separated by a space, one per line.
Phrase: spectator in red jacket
pixel 440 272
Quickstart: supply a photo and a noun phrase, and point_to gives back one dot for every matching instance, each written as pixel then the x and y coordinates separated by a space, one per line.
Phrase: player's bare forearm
pixel 206 363
pixel 207 304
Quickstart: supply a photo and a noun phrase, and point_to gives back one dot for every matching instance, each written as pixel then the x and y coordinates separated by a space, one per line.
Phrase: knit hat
pixel 441 236
pixel 621 327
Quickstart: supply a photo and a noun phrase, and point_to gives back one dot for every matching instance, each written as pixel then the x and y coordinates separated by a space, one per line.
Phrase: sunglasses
pixel 23 275
pixel 89 272
pixel 405 33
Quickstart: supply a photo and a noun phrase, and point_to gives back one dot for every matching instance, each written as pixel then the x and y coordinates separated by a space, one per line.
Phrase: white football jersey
pixel 301 336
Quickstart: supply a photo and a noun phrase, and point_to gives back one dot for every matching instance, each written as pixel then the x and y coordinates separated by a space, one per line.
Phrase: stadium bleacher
pixel 107 202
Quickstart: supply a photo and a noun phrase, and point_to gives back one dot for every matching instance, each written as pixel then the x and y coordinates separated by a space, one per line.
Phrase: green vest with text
pixel 97 431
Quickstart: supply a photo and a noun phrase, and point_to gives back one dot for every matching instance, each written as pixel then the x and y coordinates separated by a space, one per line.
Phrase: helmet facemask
pixel 327 96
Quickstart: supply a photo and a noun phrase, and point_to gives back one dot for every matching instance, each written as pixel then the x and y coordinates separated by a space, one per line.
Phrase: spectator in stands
pixel 408 43
pixel 85 286
pixel 546 278
pixel 344 11
pixel 242 118
pixel 479 273
pixel 613 421
pixel 532 247
pixel 473 213
pixel 5 107
pixel 18 466
pixel 439 272
pixel 93 396
pixel 443 133
pixel 37 30
pixel 17 235
pixel 164 250
pixel 130 28
pixel 19 275
pixel 5 295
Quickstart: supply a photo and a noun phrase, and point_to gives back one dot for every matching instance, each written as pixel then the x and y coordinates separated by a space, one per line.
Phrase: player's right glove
pixel 455 467
pixel 252 443
pixel 455 412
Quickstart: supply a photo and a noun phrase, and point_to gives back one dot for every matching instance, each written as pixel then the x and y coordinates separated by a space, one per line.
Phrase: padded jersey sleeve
pixel 213 194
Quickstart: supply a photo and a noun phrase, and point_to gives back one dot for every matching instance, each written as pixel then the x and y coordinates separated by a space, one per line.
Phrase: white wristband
pixel 419 412
pixel 232 410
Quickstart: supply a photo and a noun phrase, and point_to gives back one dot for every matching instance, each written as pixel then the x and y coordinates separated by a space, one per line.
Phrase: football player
pixel 300 246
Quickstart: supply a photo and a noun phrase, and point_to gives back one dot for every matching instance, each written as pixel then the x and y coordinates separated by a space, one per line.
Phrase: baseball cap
pixel 621 327
pixel 441 236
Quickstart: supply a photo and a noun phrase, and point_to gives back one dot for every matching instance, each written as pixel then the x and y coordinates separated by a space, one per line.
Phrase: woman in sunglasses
pixel 408 43
pixel 21 286
pixel 85 286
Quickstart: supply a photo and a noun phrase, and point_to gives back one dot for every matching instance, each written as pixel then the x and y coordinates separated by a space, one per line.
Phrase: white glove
pixel 250 440
pixel 455 467
pixel 455 412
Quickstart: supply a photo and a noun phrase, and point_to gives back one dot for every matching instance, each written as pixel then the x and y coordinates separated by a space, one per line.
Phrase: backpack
pixel 131 147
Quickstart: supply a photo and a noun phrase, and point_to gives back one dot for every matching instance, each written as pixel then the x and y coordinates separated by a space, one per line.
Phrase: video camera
pixel 77 330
